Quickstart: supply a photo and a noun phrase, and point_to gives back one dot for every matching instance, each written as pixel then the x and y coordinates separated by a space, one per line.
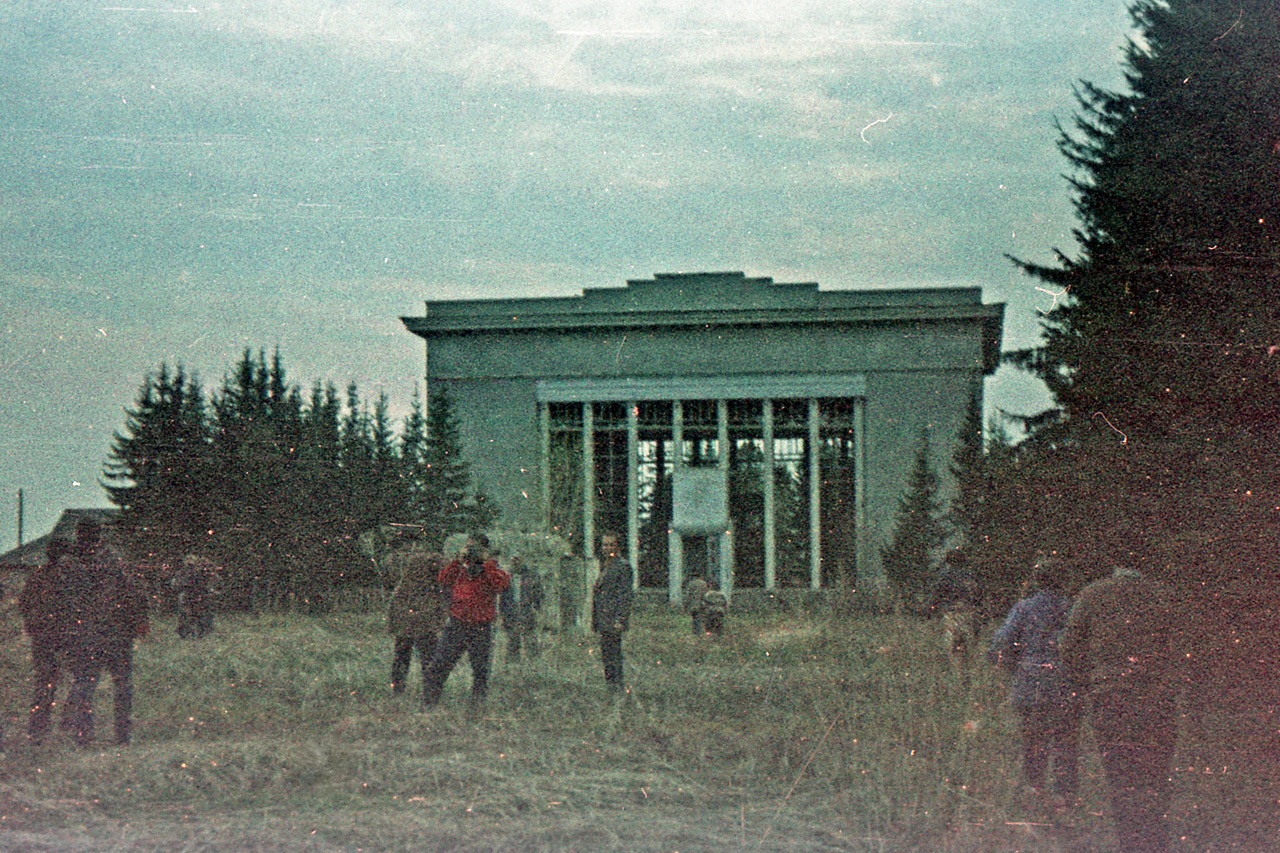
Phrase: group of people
pixel 708 606
pixel 443 610
pixel 1110 653
pixel 82 610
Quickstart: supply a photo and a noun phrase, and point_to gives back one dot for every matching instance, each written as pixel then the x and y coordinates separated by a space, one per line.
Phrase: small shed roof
pixel 33 553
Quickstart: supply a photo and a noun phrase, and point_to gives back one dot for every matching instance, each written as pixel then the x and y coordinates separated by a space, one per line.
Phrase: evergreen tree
pixel 280 489
pixel 447 503
pixel 157 467
pixel 981 512
pixel 918 533
pixel 257 420
pixel 1171 309
pixel 412 451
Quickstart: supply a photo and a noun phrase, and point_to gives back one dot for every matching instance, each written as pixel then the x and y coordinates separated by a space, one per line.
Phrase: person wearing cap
pixel 1120 644
pixel 475 581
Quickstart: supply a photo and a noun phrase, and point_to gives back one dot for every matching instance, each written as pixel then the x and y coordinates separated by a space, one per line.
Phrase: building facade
pixel 755 433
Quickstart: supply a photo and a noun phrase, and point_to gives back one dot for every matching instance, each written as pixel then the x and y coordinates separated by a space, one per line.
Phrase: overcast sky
pixel 181 181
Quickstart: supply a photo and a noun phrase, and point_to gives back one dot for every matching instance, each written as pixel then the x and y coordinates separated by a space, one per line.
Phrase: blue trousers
pixel 474 638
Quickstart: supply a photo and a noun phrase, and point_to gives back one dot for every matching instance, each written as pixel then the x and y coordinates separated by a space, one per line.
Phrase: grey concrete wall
pixel 725 351
pixel 899 406
pixel 499 426
pixel 916 375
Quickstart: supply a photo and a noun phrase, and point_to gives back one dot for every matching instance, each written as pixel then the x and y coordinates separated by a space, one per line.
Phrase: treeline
pixel 1162 345
pixel 294 493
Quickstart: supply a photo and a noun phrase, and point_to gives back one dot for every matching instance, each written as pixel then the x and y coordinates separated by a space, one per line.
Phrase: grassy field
pixel 800 733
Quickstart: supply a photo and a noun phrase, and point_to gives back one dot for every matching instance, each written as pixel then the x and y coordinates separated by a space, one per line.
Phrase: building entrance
pixel 746 491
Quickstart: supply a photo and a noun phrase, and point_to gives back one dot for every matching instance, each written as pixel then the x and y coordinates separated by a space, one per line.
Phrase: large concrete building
pixel 723 425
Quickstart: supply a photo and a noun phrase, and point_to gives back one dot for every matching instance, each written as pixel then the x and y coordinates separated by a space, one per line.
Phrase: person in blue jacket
pixel 1045 698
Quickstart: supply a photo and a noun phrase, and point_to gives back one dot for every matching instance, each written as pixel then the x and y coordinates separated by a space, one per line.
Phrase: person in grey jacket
pixel 1045 698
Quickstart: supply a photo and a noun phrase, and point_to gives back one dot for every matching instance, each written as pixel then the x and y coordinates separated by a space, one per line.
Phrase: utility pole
pixel 19 518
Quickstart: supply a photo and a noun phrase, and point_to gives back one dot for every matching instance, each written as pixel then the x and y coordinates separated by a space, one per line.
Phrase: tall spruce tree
pixel 156 472
pixel 918 532
pixel 1170 323
pixel 447 503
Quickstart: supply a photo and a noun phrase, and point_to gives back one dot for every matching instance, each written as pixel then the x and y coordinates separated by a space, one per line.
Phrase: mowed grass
pixel 793 733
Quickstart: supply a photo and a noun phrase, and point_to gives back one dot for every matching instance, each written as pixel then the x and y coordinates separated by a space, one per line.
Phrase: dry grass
pixel 806 733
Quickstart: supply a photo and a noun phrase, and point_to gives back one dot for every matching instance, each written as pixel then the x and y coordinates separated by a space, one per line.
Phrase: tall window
pixel 564 469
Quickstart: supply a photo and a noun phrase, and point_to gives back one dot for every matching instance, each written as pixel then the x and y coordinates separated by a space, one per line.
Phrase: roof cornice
pixel 576 321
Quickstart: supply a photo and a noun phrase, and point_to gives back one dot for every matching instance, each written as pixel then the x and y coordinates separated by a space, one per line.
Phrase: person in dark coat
pixel 195 604
pixel 611 609
pixel 1045 698
pixel 107 611
pixel 475 582
pixel 417 614
pixel 1121 644
pixel 519 605
pixel 695 592
pixel 41 606
pixel 715 610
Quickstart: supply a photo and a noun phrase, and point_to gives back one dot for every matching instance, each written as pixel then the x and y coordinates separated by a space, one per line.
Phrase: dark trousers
pixel 402 657
pixel 1137 734
pixel 194 622
pixel 520 637
pixel 86 668
pixel 47 662
pixel 474 638
pixel 611 656
pixel 1051 732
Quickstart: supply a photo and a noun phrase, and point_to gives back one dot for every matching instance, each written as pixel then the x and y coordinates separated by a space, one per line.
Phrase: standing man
pixel 1120 644
pixel 695 592
pixel 417 613
pixel 41 605
pixel 195 611
pixel 611 609
pixel 474 581
pixel 107 611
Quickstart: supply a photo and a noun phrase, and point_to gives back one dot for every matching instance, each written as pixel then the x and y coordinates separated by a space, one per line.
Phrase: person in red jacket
pixel 475 582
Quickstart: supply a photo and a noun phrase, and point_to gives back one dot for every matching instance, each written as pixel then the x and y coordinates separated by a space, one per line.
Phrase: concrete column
pixel 677 433
pixel 675 568
pixel 588 481
pixel 725 569
pixel 722 433
pixel 633 491
pixel 726 561
pixel 862 548
pixel 815 497
pixel 770 506
pixel 675 546
pixel 544 463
